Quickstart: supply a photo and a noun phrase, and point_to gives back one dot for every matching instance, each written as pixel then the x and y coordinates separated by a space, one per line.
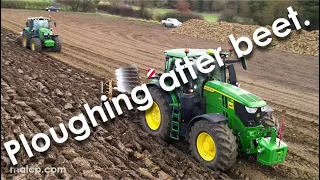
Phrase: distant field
pixel 210 17
pixel 156 10
pixel 161 11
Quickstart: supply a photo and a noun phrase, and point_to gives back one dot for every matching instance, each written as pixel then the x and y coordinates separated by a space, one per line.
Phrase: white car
pixel 171 22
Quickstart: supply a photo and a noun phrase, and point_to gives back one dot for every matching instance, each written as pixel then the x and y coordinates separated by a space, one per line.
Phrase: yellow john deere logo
pixel 208 88
pixel 230 104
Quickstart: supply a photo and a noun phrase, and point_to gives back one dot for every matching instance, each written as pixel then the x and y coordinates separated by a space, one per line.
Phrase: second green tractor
pixel 37 35
pixel 217 117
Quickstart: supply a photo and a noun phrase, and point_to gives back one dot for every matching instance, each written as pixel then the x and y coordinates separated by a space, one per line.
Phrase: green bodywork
pixel 222 97
pixel 47 42
pixel 40 27
pixel 235 93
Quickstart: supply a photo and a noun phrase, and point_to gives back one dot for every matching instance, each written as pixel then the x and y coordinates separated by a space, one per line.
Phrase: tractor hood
pixel 237 94
pixel 45 31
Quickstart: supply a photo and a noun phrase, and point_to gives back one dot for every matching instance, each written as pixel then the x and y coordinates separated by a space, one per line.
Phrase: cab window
pixel 40 24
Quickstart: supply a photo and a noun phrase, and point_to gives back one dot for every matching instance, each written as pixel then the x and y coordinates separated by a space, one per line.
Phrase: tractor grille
pixel 47 36
pixel 248 119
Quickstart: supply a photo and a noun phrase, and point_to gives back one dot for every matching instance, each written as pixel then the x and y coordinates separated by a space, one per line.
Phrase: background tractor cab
pixel 38 35
pixel 214 114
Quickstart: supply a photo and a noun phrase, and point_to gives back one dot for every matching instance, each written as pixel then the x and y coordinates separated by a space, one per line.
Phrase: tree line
pixel 260 12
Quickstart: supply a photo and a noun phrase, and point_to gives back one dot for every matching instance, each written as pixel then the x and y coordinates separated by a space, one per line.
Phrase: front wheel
pixel 213 144
pixel 270 121
pixel 57 44
pixel 35 45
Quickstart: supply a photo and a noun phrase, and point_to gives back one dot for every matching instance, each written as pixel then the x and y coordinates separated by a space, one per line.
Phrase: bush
pixel 182 17
pixel 227 15
pixel 126 11
pixel 25 4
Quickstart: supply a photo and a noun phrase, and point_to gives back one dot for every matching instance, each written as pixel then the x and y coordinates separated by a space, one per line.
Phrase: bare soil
pixel 39 92
pixel 96 45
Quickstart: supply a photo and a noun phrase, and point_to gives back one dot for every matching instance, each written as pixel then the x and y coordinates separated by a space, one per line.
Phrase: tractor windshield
pixel 217 72
pixel 40 24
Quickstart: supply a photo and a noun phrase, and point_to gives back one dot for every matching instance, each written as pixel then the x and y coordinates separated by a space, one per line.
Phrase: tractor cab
pixel 38 22
pixel 196 86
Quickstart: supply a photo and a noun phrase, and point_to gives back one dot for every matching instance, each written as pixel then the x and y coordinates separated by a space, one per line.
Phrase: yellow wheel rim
pixel 24 41
pixel 153 116
pixel 206 146
pixel 33 47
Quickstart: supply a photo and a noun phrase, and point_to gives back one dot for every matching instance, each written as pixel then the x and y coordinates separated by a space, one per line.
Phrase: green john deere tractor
pixel 216 116
pixel 38 35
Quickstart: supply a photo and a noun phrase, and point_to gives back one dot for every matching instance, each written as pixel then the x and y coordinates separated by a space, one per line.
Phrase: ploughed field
pixel 94 46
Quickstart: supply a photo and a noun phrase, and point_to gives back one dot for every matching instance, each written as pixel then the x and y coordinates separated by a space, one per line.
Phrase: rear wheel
pixel 156 120
pixel 35 45
pixel 24 40
pixel 213 144
pixel 57 44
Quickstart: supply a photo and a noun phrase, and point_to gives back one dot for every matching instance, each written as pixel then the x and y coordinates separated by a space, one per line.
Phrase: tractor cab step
pixel 175 121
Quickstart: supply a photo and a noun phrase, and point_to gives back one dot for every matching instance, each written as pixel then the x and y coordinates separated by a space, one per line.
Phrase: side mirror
pixel 244 62
pixel 232 75
pixel 55 24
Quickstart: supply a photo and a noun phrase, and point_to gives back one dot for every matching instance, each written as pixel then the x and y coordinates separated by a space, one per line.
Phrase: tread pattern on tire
pixel 225 141
pixel 161 98
pixel 57 44
pixel 269 120
pixel 24 35
pixel 37 43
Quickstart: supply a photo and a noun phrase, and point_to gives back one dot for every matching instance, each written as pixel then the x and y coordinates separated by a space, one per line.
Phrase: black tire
pixel 225 142
pixel 24 40
pixel 35 45
pixel 270 120
pixel 162 99
pixel 57 44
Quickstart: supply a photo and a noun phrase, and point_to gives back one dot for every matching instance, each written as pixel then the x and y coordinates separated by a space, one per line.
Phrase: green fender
pixel 212 117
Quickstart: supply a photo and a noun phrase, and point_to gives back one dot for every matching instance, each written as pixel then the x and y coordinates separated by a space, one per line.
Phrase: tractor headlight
pixel 45 34
pixel 263 109
pixel 251 110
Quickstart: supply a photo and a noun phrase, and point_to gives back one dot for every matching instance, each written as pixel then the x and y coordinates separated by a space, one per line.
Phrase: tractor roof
pixel 38 18
pixel 180 53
